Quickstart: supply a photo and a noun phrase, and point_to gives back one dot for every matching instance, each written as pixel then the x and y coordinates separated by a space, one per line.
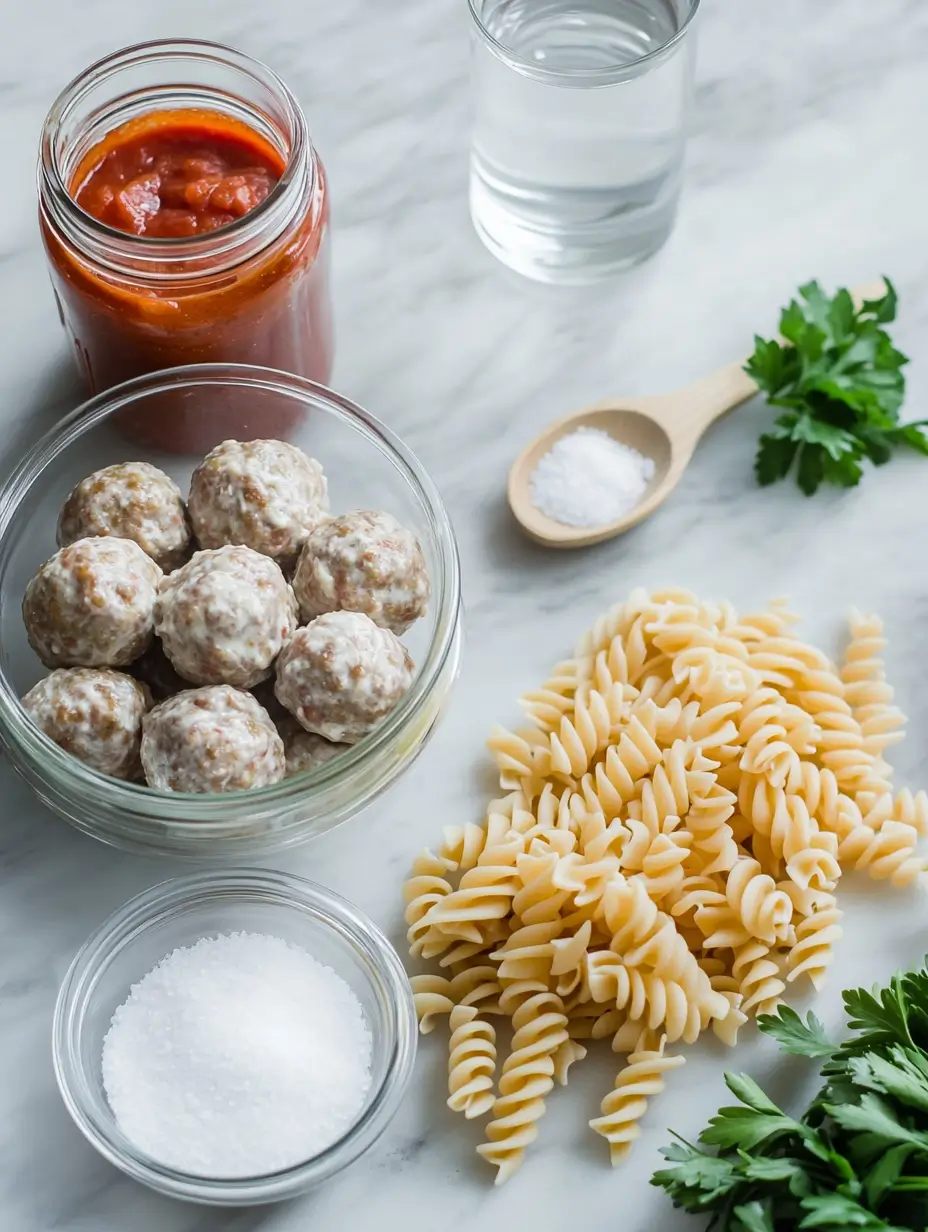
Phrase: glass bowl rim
pixel 170 898
pixel 208 811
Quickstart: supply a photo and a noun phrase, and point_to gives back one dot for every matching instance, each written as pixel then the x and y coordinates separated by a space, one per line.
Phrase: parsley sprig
pixel 858 1156
pixel 839 379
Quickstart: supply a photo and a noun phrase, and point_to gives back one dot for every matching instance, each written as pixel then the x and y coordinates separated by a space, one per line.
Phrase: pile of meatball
pixel 225 643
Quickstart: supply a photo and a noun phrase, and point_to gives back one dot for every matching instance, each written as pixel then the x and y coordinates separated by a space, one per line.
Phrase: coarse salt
pixel 237 1056
pixel 588 478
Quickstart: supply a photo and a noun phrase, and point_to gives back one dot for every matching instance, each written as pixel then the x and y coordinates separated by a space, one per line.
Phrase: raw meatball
pixel 340 674
pixel 305 750
pixel 93 714
pixel 132 500
pixel 210 740
pixel 223 617
pixel 91 604
pixel 265 494
pixel 364 561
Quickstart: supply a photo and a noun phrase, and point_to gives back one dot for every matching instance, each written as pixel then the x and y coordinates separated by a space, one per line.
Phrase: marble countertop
pixel 805 161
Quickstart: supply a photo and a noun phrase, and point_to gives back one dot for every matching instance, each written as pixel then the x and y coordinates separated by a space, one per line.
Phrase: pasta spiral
pixel 815 936
pixel 765 911
pixel 890 854
pixel 485 893
pixel 758 977
pixel 713 839
pixel 635 755
pixel 580 738
pixel 662 866
pixel 526 1079
pixel 913 810
pixel 645 997
pixel 528 953
pixel 471 1063
pixel 432 997
pixel 868 694
pixel 545 707
pixel 641 1080
pixel 427 885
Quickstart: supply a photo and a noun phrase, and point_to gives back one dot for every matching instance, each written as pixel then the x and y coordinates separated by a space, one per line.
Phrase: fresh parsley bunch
pixel 840 381
pixel 856 1159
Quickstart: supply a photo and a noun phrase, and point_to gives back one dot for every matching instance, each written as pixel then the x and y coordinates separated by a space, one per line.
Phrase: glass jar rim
pixel 608 75
pixel 273 213
pixel 170 897
pixel 203 813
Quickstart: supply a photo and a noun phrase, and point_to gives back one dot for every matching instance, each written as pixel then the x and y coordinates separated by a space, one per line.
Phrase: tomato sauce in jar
pixel 176 175
pixel 188 235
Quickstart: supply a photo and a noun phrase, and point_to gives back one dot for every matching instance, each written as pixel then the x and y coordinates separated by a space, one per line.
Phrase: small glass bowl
pixel 172 419
pixel 178 913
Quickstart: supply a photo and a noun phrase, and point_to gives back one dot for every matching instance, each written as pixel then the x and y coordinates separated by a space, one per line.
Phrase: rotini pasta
pixel 765 911
pixel 539 1031
pixel 664 857
pixel 545 707
pixel 567 1055
pixel 640 1081
pixel 868 694
pixel 758 977
pixel 426 886
pixel 580 738
pixel 714 844
pixel 815 936
pixel 471 1063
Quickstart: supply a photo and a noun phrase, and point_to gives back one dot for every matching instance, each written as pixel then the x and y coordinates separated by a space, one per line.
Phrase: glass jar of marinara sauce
pixel 184 213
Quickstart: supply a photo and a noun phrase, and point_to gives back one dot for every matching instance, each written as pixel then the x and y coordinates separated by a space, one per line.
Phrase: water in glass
pixel 580 113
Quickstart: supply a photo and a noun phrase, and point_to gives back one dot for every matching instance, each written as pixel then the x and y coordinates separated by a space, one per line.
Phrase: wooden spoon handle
pixel 688 412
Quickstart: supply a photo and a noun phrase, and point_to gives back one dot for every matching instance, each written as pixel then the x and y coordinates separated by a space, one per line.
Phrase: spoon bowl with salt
pixel 602 470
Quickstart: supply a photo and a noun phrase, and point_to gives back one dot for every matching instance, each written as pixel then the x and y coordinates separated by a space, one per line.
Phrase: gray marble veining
pixel 807 159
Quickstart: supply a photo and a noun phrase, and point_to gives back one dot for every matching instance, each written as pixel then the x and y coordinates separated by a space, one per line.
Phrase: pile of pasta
pixel 664 857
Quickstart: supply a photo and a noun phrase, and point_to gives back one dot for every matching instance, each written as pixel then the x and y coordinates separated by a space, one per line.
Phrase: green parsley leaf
pixel 837 372
pixel 898 1074
pixel 886 1172
pixel 696 1180
pixel 774 458
pixel 882 310
pixel 753 1217
pixel 881 1014
pixel 876 1117
pixel 745 1128
pixel 764 1169
pixel 840 1213
pixel 801 1039
pixel 811 468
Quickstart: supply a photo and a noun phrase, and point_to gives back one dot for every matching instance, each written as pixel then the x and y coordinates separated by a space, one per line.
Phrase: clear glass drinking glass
pixel 579 131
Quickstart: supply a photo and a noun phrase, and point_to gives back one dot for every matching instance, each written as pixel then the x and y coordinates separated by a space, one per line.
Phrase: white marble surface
pixel 807 159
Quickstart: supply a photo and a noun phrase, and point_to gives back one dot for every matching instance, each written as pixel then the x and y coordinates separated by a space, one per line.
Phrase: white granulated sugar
pixel 588 478
pixel 237 1056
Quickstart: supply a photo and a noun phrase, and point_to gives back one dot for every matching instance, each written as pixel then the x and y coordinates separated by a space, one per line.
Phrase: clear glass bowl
pixel 189 410
pixel 178 913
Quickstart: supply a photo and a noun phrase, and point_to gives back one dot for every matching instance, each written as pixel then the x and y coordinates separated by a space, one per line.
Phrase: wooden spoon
pixel 663 427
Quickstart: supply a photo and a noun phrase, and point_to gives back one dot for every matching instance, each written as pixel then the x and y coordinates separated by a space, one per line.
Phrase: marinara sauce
pixel 187 235
pixel 176 174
